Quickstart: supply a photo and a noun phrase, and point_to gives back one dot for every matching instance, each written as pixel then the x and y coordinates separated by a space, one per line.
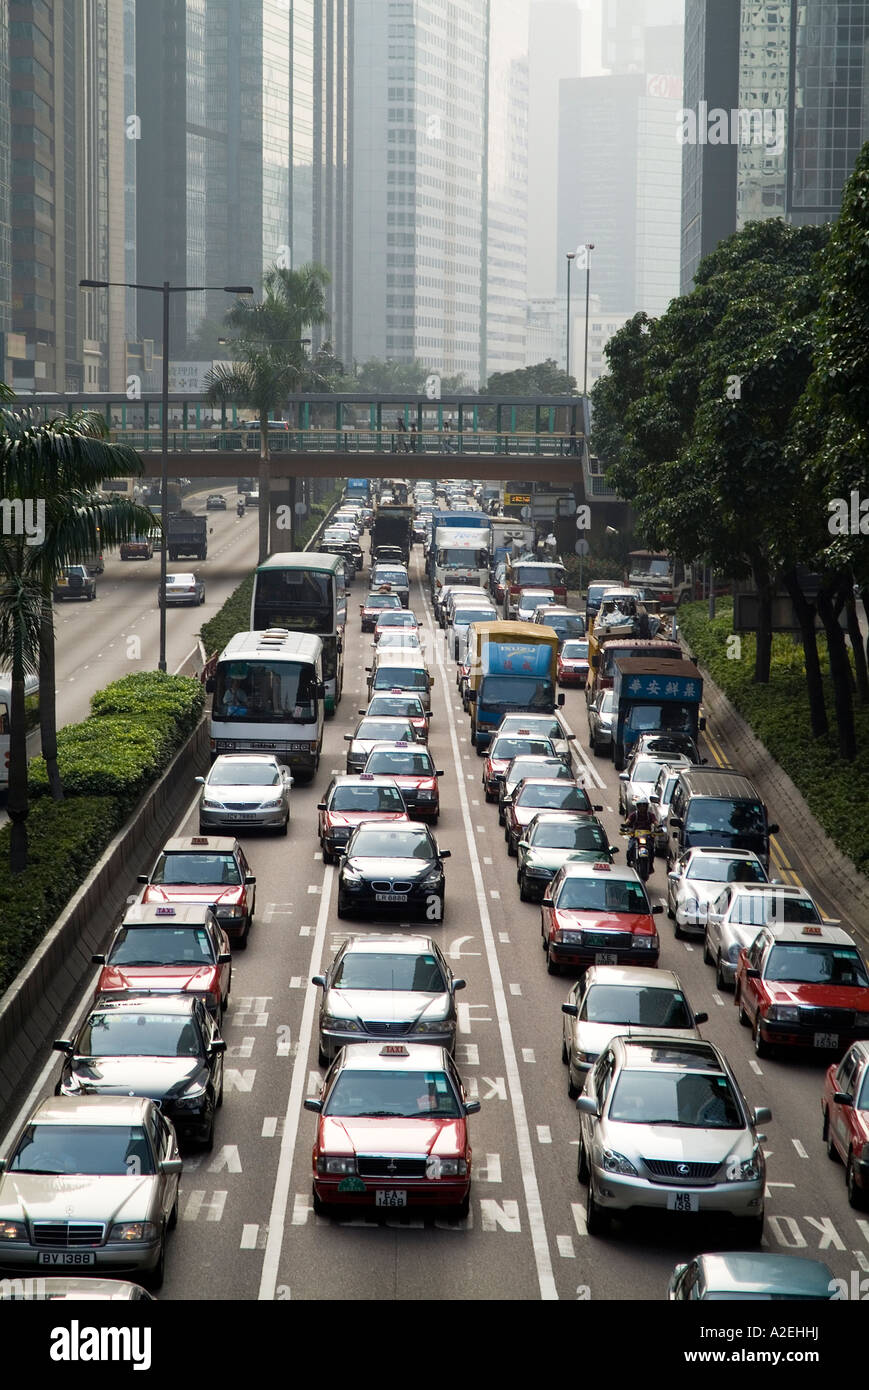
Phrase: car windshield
pixel 403 637
pixel 400 762
pixel 398 577
pixel 541 725
pixel 690 1100
pixel 408 705
pixel 100 1150
pixel 645 771
pixel 393 1094
pixel 607 702
pixel 573 835
pixel 672 714
pixel 243 775
pixel 397 618
pixel 383 601
pixel 816 965
pixel 114 1034
pixel 404 677
pixel 715 870
pixel 522 769
pixel 635 1004
pixel 367 798
pixel 536 576
pixel 708 816
pixel 389 971
pixel 463 617
pixel 181 866
pixel 162 946
pixel 371 843
pixel 549 798
pixel 756 909
pixel 397 729
pixel 515 746
pixel 518 692
pixel 575 651
pixel 602 894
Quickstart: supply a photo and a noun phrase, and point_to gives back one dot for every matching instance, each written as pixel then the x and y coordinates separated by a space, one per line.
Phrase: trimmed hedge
pixel 154 692
pixel 778 714
pixel 65 840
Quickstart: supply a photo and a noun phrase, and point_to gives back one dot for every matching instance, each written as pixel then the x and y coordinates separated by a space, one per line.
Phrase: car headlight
pixel 783 1013
pixel 432 880
pixel 272 803
pixel 344 1025
pixel 645 943
pixel 430 1025
pixel 351 878
pixel 191 1097
pixel 864 1156
pixel 569 938
pixel 745 1169
pixel 13 1230
pixel 613 1162
pixel 133 1230
pixel 327 1163
pixel 209 804
pixel 341 832
pixel 535 871
pixel 236 911
pixel 424 795
pixel 587 1057
pixel 452 1168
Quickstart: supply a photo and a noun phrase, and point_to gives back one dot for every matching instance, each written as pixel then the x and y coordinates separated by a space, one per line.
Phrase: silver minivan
pixel 397 670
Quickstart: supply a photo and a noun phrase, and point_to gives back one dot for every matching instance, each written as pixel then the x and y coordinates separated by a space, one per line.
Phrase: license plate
pixel 69 1258
pixel 244 815
pixel 826 1040
pixel 683 1201
pixel 385 1197
pixel 390 897
pixel 606 958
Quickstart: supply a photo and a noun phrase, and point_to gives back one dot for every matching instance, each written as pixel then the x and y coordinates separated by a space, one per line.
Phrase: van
pixel 395 671
pixel 717 808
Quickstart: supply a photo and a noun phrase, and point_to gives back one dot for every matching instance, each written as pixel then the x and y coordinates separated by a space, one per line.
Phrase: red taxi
pixel 375 604
pixel 504 748
pixel 845 1108
pixel 402 618
pixel 802 985
pixel 535 794
pixel 351 800
pixel 392 1131
pixel 209 869
pixel 597 914
pixel 413 771
pixel 400 704
pixel 573 662
pixel 163 949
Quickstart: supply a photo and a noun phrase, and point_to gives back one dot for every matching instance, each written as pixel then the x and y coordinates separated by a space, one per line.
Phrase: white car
pixel 697 879
pixel 734 918
pixel 183 588
pixel 529 602
pixel 641 776
pixel 245 788
pixel 465 612
pixel 450 593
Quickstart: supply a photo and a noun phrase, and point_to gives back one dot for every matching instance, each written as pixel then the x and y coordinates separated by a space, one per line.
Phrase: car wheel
pixel 173 1215
pixel 327 858
pixel 321 1208
pixel 599 749
pixel 284 829
pixel 512 847
pixel 720 981
pixel 241 943
pixel 501 820
pixel 322 1059
pixel 707 954
pixel 761 1049
pixel 207 1144
pixel 753 1229
pixel 341 910
pixel 581 1162
pixel 741 1014
pixel 597 1221
pixel 551 965
pixel 153 1278
pixel 523 891
pixel 219 1102
pixel 565 1055
pixel 489 797
pixel 460 1212
pixel 677 930
pixel 855 1193
pixel 832 1151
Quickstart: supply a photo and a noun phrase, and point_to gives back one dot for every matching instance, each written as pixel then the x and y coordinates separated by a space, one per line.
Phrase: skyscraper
pixel 5 180
pixel 554 54
pixel 506 242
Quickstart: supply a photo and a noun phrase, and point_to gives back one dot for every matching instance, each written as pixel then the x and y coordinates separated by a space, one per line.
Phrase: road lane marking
pixel 799 1148
pixel 565 1247
pixel 544 1134
pixel 280 1197
pixel 539 1238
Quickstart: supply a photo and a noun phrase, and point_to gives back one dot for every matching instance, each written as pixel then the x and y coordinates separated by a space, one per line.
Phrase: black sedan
pixel 392 870
pixel 165 1048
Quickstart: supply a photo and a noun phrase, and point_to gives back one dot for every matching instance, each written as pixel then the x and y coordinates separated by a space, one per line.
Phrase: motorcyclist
pixel 239 506
pixel 640 818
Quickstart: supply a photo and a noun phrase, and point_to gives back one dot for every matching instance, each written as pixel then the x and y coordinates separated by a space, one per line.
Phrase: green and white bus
pixel 31 721
pixel 305 592
pixel 269 697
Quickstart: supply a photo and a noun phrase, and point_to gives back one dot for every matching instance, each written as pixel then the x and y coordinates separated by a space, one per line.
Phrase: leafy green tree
pixel 543 379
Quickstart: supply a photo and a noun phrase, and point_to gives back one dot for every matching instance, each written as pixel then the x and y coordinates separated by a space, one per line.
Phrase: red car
pixel 397 618
pixel 399 704
pixel 802 985
pixel 845 1108
pixel 392 1131
pixel 541 794
pixel 506 747
pixel 374 605
pixel 210 869
pixel 573 662
pixel 412 768
pixel 597 914
pixel 159 949
pixel 351 800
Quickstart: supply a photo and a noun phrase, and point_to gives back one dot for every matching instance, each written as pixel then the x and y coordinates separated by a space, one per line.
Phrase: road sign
pixel 582 547
pixel 525 513
pixel 301 508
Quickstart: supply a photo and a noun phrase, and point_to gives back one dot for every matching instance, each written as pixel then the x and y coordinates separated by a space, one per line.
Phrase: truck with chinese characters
pixel 513 669
pixel 653 696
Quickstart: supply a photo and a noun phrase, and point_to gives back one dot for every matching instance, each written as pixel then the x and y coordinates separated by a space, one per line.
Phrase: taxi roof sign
pixel 164 911
pixel 199 840
pixel 812 931
pixel 394 1050
pixel 602 868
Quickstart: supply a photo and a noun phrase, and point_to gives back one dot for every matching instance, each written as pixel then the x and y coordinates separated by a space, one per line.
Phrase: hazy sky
pixel 658 12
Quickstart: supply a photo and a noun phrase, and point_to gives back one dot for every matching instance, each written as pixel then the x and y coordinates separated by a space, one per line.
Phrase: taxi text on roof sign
pixel 394 1050
pixel 811 931
pixel 165 911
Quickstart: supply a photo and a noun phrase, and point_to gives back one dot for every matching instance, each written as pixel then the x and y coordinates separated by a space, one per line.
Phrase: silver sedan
pixel 91 1184
pixel 699 876
pixel 182 588
pixel 245 789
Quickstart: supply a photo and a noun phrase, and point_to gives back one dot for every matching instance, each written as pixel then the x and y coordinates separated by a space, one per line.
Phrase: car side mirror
pixel 360 711
pixel 673 876
pixel 315 1105
pixel 445 853
pixel 439 772
pixel 676 820
pixel 224 958
pixel 471 1107
pixel 200 780
pixel 596 807
pixel 523 844
pixel 752 974
pixel 571 736
pixel 319 980
pixel 321 805
pixel 657 909
pixel 701 1018
pixel 560 701
pixel 624 777
pixel 171 1165
pixel 62 1045
pixel 772 829
pixel 762 1115
pixel 839 1097
pixel 571 1009
pixel 250 879
pixel 368 670
pixel 98 959
pixel 546 899
pixel 457 984
pixel 218 1044
pixel 348 738
pixel 141 878
pixel 587 1105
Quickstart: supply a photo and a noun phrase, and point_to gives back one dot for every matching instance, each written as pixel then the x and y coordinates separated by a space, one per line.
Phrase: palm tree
pixel 271 361
pixel 20 618
pixel 60 463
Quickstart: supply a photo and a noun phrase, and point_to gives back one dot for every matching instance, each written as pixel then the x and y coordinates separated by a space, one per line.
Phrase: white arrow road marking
pixel 455 952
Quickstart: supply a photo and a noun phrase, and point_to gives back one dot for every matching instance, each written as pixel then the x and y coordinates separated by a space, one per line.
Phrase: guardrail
pixel 352 440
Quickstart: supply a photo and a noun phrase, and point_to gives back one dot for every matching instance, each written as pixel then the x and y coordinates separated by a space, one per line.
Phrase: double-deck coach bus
pixel 268 697
pixel 305 592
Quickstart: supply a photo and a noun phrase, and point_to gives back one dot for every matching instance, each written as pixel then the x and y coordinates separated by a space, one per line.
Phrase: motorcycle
pixel 239 507
pixel 641 851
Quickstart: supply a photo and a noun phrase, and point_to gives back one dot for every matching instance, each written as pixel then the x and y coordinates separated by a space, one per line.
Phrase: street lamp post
pixel 571 257
pixel 588 248
pixel 165 289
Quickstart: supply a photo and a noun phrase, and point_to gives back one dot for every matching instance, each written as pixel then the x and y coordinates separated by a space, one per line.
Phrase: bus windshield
pixel 266 692
pixel 299 599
